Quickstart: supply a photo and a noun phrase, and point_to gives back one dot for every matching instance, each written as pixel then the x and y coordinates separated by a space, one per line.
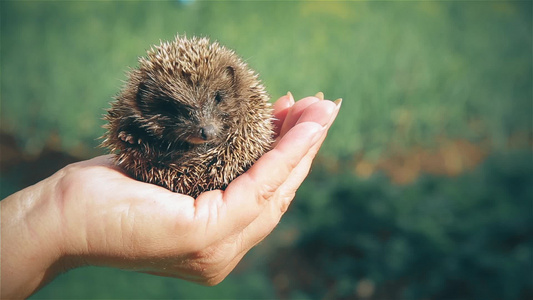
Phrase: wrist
pixel 32 239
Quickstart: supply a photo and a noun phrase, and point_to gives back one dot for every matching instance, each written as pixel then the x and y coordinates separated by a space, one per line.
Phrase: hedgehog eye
pixel 218 97
pixel 168 107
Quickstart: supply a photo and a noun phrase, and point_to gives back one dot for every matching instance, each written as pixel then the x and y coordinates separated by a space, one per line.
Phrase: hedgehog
pixel 192 117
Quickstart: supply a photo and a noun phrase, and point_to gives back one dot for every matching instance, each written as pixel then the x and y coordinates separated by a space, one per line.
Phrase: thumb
pixel 274 167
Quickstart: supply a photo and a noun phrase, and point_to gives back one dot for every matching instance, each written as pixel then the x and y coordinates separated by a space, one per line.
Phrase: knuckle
pixel 286 201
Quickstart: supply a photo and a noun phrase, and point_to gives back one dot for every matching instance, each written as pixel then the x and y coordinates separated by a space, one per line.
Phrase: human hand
pixel 91 213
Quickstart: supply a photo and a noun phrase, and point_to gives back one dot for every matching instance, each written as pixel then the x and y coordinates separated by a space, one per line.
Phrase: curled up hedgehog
pixel 191 118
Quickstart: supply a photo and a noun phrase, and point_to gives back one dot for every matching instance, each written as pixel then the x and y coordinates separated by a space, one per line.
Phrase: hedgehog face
pixel 195 114
pixel 187 91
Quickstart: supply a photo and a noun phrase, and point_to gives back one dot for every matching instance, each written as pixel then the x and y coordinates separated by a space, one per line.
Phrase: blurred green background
pixel 423 189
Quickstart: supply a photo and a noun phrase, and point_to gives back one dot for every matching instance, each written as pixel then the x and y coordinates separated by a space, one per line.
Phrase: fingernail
pixel 291 98
pixel 320 95
pixel 338 102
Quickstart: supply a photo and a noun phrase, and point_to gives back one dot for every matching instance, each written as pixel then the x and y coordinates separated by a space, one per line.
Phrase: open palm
pixel 103 217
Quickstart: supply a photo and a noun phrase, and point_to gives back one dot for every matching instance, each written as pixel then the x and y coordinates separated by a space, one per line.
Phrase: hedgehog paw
pixel 128 138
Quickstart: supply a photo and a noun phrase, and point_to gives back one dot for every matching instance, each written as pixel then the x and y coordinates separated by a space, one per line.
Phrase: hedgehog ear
pixel 229 73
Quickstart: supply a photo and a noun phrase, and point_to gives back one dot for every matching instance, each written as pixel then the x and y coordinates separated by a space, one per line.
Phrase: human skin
pixel 92 213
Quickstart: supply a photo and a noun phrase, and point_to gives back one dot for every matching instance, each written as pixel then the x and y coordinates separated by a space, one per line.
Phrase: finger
pixel 260 228
pixel 301 171
pixel 293 146
pixel 275 166
pixel 320 112
pixel 281 108
pixel 264 224
pixel 295 112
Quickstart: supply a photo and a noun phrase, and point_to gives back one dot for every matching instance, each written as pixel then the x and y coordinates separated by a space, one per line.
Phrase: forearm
pixel 30 239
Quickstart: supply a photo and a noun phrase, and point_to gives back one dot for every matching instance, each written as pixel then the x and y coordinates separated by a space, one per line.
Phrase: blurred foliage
pixel 407 71
pixel 412 75
pixel 468 237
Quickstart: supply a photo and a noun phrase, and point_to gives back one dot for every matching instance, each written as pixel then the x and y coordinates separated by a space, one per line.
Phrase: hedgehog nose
pixel 208 132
